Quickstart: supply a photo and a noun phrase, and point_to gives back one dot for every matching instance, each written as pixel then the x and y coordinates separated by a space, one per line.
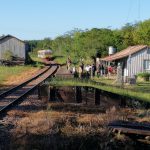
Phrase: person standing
pixel 93 70
pixel 82 66
pixel 102 70
pixel 80 71
pixel 110 70
pixel 68 63
pixel 105 69
pixel 87 69
pixel 73 69
pixel 99 69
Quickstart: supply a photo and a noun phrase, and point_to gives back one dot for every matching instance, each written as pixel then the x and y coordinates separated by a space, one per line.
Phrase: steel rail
pixel 130 127
pixel 2 95
pixel 26 87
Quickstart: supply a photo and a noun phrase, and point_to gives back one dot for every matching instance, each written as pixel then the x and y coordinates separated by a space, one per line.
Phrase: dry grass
pixel 68 122
pixel 12 76
pixel 72 129
pixel 143 115
pixel 22 76
pixel 34 123
pixel 18 113
pixel 90 119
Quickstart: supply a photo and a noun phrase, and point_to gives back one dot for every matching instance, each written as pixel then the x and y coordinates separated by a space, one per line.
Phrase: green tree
pixel 142 33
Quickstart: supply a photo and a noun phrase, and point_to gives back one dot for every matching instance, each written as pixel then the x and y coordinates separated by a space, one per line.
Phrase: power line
pixel 129 10
pixel 139 10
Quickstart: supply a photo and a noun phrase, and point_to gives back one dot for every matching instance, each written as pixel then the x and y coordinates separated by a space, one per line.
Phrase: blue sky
pixel 37 19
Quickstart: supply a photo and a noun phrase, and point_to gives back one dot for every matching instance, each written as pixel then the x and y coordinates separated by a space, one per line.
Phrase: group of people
pixel 104 70
pixel 88 71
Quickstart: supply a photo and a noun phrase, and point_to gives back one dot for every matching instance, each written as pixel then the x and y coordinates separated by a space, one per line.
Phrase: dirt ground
pixel 36 124
pixel 39 125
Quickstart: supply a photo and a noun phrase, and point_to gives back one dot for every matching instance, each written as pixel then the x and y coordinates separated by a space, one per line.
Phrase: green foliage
pixel 87 43
pixel 142 33
pixel 7 55
pixel 35 45
pixel 144 74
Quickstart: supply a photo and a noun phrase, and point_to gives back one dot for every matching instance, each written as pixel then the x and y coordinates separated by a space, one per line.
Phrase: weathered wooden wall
pixel 17 47
pixel 136 64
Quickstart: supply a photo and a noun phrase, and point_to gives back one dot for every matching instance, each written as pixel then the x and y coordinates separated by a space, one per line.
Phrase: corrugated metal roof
pixel 124 53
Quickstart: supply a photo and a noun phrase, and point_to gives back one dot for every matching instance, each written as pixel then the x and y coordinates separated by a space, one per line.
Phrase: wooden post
pixel 78 94
pixel 39 92
pixel 86 91
pixel 52 94
pixel 122 102
pixel 43 92
pixel 97 93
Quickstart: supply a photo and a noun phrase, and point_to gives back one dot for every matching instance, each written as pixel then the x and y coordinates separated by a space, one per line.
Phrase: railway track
pixel 133 129
pixel 18 93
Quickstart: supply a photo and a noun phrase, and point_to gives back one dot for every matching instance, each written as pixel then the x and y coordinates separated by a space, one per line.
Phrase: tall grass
pixel 34 57
pixel 6 72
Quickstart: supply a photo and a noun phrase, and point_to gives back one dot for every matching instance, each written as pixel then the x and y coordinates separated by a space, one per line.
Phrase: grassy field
pixel 7 72
pixel 34 57
pixel 140 91
pixel 143 86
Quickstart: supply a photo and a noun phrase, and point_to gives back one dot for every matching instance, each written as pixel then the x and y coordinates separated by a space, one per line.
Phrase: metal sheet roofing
pixel 125 53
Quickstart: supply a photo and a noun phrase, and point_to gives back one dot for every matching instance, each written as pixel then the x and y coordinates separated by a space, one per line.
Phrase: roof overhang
pixel 10 36
pixel 124 53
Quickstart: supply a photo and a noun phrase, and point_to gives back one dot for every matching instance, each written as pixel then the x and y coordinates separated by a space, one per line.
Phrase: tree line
pixel 89 43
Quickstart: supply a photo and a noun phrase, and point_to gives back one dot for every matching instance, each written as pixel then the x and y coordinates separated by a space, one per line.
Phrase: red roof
pixel 124 53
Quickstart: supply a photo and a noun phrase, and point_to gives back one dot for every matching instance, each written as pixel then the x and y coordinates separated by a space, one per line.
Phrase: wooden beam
pixel 78 94
pixel 52 94
pixel 97 93
pixel 130 130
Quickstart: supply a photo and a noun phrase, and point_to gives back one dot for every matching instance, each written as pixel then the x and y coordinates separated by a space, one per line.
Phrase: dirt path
pixel 62 71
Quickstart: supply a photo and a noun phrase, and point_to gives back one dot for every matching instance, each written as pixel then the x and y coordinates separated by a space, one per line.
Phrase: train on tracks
pixel 45 54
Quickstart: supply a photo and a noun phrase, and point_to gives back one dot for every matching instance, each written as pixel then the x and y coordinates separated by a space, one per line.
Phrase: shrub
pixel 7 55
pixel 144 75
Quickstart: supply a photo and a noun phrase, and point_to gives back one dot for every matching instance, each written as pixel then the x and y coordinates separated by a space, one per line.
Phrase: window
pixel 147 64
pixel 148 51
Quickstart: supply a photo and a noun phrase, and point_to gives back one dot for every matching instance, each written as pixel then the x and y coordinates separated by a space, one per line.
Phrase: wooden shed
pixel 134 59
pixel 17 47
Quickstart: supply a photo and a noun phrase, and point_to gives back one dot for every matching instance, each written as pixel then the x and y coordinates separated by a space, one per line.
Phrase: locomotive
pixel 45 54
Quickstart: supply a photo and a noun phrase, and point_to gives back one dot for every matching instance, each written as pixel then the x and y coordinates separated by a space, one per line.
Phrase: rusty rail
pixel 130 128
pixel 2 95
pixel 18 93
